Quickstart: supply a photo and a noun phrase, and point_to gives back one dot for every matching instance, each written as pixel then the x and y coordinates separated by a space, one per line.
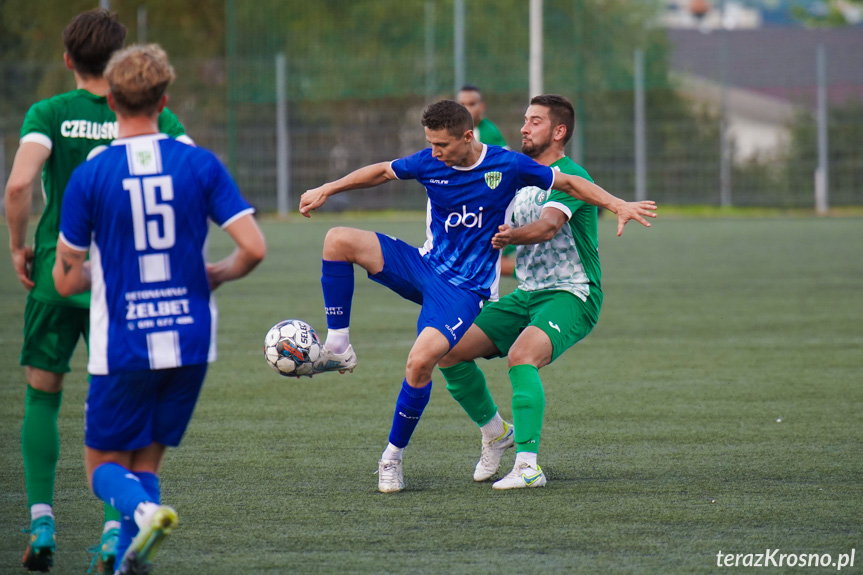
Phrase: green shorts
pixel 51 333
pixel 563 317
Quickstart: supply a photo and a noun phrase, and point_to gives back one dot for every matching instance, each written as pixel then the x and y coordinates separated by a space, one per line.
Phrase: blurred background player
pixel 470 187
pixel 556 304
pixel 57 135
pixel 484 131
pixel 142 209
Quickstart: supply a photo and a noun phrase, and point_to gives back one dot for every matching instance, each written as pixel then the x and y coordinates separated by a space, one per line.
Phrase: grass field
pixel 716 406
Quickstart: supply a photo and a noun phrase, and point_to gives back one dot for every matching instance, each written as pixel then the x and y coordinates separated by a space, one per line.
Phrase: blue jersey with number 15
pixel 142 207
pixel 465 207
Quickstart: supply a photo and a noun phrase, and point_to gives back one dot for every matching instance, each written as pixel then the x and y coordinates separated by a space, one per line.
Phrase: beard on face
pixel 534 149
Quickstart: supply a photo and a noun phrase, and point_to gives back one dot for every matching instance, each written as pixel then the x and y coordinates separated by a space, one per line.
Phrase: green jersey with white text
pixel 72 126
pixel 570 260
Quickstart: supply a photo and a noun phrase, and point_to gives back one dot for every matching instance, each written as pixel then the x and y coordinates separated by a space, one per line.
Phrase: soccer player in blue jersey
pixel 470 189
pixel 57 135
pixel 142 209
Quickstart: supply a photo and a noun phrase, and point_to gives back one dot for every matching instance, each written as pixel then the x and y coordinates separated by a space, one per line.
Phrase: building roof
pixel 780 62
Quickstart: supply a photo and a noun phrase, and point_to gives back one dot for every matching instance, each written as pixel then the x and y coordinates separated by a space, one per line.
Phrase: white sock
pixel 338 340
pixel 111 525
pixel 393 452
pixel 494 429
pixel 526 457
pixel 41 510
pixel 144 513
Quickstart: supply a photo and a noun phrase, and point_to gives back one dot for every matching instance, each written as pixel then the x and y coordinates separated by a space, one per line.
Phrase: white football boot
pixel 155 523
pixel 522 475
pixel 340 362
pixel 391 477
pixel 492 451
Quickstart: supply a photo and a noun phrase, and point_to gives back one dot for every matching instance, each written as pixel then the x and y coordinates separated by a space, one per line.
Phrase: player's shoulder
pixel 567 166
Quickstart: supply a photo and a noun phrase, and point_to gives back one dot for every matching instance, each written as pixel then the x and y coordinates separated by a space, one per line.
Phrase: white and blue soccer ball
pixel 292 348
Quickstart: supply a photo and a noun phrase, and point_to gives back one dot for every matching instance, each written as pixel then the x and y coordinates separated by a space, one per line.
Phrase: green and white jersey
pixel 72 126
pixel 570 260
pixel 487 133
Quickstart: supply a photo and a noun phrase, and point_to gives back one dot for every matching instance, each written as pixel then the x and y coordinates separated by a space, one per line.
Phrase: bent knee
pixel 418 371
pixel 338 241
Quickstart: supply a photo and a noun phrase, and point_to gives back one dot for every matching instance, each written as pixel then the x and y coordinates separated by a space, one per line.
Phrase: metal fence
pixel 728 118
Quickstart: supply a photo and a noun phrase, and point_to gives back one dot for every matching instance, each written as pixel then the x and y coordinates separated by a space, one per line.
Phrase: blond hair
pixel 138 77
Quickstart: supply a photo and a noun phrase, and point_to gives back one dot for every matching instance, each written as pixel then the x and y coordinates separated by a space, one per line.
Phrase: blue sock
pixel 128 530
pixel 409 408
pixel 150 483
pixel 128 527
pixel 337 281
pixel 114 484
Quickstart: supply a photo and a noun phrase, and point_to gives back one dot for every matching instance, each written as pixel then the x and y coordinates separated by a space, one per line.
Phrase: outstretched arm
pixel 26 169
pixel 367 177
pixel 589 192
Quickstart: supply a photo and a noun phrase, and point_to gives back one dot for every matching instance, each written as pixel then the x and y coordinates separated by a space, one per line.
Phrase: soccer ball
pixel 292 348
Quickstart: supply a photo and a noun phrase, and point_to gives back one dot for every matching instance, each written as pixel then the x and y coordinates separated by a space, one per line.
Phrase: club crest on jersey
pixel 541 197
pixel 144 157
pixel 492 179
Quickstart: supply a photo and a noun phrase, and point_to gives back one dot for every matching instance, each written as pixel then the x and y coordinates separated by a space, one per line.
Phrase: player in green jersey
pixel 556 304
pixel 470 97
pixel 58 134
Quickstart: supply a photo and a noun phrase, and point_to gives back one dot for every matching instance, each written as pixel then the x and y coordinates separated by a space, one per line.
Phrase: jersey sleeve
pixel 225 203
pixel 169 124
pixel 563 201
pixel 533 174
pixel 37 124
pixel 76 222
pixel 407 168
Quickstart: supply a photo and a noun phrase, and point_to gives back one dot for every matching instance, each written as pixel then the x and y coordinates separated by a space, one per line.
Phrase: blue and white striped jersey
pixel 142 207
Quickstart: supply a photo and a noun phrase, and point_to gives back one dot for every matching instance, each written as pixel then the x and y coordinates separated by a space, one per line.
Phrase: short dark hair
pixel 560 111
pixel 471 88
pixel 90 39
pixel 448 115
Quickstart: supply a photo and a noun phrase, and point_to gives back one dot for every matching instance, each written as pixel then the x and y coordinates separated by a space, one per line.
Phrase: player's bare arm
pixel 26 169
pixel 589 192
pixel 250 251
pixel 71 270
pixel 541 230
pixel 366 177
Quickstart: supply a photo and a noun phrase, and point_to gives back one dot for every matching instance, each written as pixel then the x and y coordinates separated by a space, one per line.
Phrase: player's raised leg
pixel 344 247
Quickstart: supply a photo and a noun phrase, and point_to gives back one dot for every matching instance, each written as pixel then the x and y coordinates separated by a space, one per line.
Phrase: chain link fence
pixel 730 117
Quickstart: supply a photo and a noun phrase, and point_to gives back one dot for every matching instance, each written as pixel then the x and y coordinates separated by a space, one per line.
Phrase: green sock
pixel 528 406
pixel 466 383
pixel 40 444
pixel 111 514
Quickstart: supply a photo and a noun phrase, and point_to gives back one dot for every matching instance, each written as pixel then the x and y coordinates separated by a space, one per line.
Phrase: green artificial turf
pixel 717 406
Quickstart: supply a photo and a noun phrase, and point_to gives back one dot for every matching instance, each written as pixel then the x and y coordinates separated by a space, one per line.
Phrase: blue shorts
pixel 128 411
pixel 445 307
